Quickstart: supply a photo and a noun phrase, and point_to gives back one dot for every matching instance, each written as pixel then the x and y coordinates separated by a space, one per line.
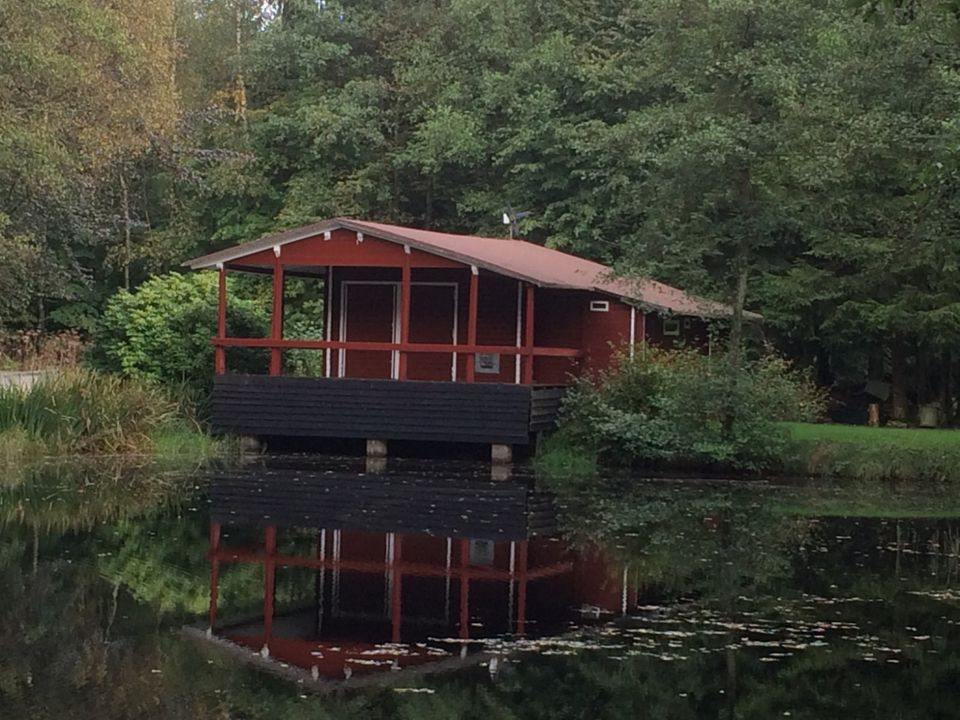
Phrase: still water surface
pixel 296 588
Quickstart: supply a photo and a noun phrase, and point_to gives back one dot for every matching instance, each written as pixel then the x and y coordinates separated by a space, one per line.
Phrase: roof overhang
pixel 219 259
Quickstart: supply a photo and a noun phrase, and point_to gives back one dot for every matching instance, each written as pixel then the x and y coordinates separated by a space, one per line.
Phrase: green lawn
pixel 917 438
pixel 855 451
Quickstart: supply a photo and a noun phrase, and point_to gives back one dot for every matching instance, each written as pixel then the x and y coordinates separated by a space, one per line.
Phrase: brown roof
pixel 518 259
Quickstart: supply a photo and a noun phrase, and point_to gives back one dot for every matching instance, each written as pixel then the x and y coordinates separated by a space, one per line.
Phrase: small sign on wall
pixel 488 363
pixel 481 552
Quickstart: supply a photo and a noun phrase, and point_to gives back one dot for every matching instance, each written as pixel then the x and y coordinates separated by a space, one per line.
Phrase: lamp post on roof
pixel 510 218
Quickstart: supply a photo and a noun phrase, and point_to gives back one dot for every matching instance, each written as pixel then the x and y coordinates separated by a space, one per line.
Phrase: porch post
pixel 528 338
pixel 276 318
pixel 328 329
pixel 220 353
pixel 470 374
pixel 404 312
pixel 269 585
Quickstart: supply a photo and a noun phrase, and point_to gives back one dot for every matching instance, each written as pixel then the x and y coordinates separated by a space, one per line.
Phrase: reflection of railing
pixel 527 353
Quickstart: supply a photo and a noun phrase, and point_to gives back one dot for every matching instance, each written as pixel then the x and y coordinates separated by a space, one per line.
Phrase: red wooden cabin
pixel 435 336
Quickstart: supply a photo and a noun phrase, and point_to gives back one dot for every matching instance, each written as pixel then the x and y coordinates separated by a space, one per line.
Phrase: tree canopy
pixel 795 157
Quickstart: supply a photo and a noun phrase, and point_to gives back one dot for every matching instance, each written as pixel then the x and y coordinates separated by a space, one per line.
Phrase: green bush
pixel 162 332
pixel 85 411
pixel 684 409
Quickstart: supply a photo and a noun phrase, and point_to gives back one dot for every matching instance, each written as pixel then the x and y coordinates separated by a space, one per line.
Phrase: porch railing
pixel 526 353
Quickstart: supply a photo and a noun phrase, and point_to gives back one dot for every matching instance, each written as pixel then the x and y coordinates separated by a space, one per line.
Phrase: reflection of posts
pixel 269 586
pixel 464 589
pixel 521 587
pixel 214 574
pixel 396 595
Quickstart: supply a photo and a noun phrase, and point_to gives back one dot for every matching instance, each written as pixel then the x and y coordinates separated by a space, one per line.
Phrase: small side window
pixel 671 326
pixel 599 305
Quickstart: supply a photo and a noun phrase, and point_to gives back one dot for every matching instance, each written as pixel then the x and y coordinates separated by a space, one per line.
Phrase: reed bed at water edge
pixel 86 411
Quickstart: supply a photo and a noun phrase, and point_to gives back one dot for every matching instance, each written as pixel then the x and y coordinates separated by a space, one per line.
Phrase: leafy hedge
pixel 681 408
pixel 162 332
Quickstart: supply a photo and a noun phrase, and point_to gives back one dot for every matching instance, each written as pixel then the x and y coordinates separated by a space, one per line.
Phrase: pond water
pixel 299 588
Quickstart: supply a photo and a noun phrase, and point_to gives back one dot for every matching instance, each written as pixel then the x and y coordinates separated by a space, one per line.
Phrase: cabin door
pixel 433 319
pixel 369 314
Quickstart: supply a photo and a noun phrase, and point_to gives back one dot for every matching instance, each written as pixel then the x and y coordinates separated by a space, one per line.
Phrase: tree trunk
pixel 735 349
pixel 946 380
pixel 125 201
pixel 241 85
pixel 900 406
pixel 428 211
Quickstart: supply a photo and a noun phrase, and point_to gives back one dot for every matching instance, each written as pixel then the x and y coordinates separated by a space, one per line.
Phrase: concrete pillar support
pixel 376 448
pixel 501 454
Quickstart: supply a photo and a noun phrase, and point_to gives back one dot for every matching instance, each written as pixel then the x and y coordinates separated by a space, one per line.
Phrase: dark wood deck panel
pixel 382 409
pixel 445 507
pixel 545 405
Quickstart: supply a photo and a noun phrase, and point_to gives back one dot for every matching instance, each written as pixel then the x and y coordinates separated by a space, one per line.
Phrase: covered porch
pixel 416 346
pixel 406 315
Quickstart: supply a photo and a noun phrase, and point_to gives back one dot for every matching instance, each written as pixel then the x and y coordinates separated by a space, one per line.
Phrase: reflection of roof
pixel 397 502
pixel 518 259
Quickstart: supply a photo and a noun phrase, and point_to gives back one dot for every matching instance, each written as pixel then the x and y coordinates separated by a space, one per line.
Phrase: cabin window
pixel 671 326
pixel 599 305
pixel 481 552
pixel 488 363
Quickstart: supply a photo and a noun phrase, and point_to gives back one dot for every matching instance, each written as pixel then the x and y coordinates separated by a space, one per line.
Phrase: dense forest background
pixel 802 154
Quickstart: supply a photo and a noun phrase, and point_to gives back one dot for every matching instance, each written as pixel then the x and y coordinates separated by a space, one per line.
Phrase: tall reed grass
pixel 81 411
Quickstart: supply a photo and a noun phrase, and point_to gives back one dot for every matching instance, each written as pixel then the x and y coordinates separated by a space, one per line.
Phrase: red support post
pixel 220 353
pixel 528 337
pixel 469 376
pixel 522 586
pixel 276 318
pixel 214 573
pixel 405 284
pixel 269 583
pixel 396 598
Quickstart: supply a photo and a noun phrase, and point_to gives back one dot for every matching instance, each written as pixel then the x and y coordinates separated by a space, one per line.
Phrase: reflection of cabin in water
pixel 370 573
pixel 433 336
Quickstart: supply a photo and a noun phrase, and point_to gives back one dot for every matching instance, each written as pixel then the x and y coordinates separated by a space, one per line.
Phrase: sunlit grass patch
pixel 558 457
pixel 896 437
pixel 183 438
pixel 873 453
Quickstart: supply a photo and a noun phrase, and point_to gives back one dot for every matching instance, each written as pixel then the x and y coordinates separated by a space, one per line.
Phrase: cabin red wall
pixel 558 322
pixel 694 332
pixel 604 332
pixel 496 323
pixel 562 319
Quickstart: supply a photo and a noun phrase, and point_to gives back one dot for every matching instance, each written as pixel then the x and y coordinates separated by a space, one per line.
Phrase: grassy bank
pixel 854 451
pixel 84 412
pixel 810 450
